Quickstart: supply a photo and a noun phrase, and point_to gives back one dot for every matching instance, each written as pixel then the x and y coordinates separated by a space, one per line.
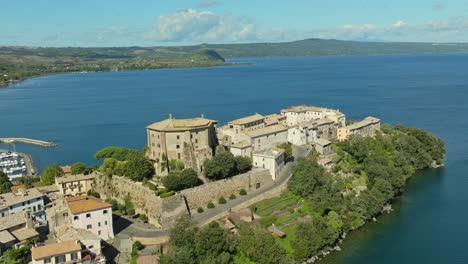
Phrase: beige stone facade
pixel 72 185
pixel 323 146
pixel 296 115
pixel 189 140
pixel 64 252
pixel 366 128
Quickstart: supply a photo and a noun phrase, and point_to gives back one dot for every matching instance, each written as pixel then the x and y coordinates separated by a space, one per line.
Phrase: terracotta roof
pixel 18 187
pixel 365 122
pixel 82 203
pixel 6 237
pixel 25 233
pixel 265 130
pixel 55 249
pixel 12 220
pixel 66 169
pixel 72 178
pixel 173 124
pixel 247 119
pixel 9 199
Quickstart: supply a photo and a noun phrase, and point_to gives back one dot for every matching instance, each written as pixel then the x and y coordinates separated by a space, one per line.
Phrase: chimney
pixel 202 116
pixel 170 116
pixel 27 217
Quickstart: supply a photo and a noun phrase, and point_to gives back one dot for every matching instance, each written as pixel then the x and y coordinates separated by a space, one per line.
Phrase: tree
pixel 139 167
pixel 308 240
pixel 5 183
pixel 117 153
pixel 182 243
pixel 78 168
pixel 50 173
pixel 176 165
pixel 221 166
pixel 243 164
pixel 213 244
pixel 260 246
pixel 177 181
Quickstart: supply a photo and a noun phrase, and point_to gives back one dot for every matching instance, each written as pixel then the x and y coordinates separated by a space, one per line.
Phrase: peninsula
pixel 18 63
pixel 279 188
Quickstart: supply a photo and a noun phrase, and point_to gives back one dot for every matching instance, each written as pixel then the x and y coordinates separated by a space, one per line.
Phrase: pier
pixel 36 142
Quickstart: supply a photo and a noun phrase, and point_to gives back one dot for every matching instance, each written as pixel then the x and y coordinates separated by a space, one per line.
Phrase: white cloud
pixel 399 24
pixel 188 26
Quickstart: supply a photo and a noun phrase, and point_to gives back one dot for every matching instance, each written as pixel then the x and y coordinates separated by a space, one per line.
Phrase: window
pixel 89 226
pixel 39 207
pixel 65 214
pixel 74 256
pixel 60 259
pixel 105 222
pixel 91 247
pixel 34 209
pixel 76 217
pixel 22 203
pixel 196 140
pixel 99 232
pixel 178 137
pixel 177 146
pixel 104 212
pixel 257 185
pixel 99 224
pixel 88 215
pixel 47 260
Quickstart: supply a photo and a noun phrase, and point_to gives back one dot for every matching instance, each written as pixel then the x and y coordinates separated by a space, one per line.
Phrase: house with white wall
pixel 91 213
pixel 271 159
pixel 21 200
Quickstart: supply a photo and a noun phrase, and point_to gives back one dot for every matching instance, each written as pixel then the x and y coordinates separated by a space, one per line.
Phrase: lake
pixel 86 112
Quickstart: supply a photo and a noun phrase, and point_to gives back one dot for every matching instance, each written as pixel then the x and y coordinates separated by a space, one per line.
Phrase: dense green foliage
pixel 50 173
pixel 380 166
pixel 188 244
pixel 5 183
pixel 260 246
pixel 225 165
pixel 17 255
pixel 17 63
pixel 180 180
pixel 78 168
pixel 117 153
pixel 125 162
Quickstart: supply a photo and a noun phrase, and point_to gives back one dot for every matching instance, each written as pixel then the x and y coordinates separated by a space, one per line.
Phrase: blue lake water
pixel 86 112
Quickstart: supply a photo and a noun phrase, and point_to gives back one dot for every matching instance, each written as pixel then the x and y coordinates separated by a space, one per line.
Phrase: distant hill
pixel 321 47
pixel 17 63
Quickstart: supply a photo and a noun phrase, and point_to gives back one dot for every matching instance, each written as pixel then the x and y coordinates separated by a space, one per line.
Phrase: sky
pixel 96 23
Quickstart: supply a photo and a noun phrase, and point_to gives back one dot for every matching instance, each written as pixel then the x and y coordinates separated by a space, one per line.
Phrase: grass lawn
pixel 281 202
pixel 286 242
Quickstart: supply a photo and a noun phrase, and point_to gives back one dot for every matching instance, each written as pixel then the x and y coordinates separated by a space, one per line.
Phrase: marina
pixel 16 165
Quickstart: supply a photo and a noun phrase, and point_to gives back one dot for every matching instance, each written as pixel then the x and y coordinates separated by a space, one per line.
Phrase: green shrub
pixel 243 192
pixel 232 197
pixel 200 210
pixel 131 211
pixel 167 194
pixel 143 218
pixel 152 187
pixel 222 200
pixel 210 205
pixel 160 191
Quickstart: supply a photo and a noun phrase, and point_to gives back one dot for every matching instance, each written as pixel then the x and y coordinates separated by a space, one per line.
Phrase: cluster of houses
pixel 257 136
pixel 75 224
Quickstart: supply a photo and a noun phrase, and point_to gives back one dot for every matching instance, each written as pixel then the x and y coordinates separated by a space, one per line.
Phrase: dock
pixel 36 142
pixel 29 162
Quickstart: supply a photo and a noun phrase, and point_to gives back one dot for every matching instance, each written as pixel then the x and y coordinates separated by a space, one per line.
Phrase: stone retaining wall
pixel 162 212
pixel 201 195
